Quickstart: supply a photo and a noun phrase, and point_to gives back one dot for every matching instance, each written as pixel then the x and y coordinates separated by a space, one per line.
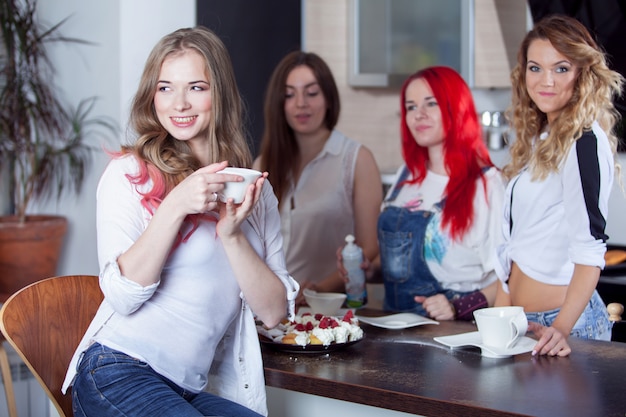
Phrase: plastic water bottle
pixel 355 288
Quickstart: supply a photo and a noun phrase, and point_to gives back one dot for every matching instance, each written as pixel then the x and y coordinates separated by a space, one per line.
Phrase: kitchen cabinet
pixel 390 39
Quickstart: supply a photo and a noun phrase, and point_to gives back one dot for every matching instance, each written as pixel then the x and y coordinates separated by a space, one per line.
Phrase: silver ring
pixel 215 197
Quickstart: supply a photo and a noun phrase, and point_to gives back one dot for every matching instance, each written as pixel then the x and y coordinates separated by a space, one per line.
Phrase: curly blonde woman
pixel 560 177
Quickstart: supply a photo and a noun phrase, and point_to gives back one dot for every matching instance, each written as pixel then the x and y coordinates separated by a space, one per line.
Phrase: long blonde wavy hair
pixel 595 87
pixel 155 147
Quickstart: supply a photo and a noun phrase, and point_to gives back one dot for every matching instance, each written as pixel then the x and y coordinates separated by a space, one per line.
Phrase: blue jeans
pixel 111 383
pixel 593 323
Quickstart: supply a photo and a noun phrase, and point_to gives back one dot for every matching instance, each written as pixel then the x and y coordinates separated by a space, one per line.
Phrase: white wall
pixel 124 31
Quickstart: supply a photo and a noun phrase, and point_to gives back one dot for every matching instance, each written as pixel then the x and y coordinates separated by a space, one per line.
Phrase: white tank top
pixel 317 213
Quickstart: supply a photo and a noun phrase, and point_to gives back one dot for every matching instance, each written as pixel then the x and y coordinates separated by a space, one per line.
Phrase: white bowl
pixel 326 303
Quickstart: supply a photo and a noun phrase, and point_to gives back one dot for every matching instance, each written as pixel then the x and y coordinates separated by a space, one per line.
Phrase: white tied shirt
pixel 550 225
pixel 194 321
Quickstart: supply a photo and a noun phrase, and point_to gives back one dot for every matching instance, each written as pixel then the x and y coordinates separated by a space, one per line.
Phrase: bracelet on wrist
pixel 465 305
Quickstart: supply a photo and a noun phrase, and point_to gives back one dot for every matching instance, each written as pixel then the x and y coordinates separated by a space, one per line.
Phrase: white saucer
pixel 397 321
pixel 525 344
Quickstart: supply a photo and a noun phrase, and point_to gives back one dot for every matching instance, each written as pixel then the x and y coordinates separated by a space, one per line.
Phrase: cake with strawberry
pixel 315 329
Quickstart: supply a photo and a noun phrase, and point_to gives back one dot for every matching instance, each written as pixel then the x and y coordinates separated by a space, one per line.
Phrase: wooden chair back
pixel 44 322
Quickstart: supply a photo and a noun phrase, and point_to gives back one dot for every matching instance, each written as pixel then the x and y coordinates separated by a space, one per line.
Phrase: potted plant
pixel 44 148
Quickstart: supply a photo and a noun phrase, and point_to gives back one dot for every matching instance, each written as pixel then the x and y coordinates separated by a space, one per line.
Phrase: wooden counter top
pixel 406 370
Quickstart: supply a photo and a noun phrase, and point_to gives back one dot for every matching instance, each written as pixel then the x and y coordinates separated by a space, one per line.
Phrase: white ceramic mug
pixel 501 327
pixel 237 190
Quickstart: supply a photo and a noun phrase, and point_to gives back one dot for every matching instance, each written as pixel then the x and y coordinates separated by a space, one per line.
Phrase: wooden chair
pixel 44 322
pixel 5 367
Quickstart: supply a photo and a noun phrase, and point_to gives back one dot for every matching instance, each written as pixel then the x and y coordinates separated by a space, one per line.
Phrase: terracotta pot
pixel 29 252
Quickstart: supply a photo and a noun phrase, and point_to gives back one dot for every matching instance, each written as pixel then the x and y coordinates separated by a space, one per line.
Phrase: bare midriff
pixel 532 294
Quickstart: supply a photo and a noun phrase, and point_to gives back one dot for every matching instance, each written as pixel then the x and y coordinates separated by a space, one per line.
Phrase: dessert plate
pixel 397 321
pixel 525 344
pixel 305 328
pixel 288 348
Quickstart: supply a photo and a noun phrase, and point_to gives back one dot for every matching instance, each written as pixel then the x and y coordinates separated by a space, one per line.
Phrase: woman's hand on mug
pixel 198 192
pixel 232 214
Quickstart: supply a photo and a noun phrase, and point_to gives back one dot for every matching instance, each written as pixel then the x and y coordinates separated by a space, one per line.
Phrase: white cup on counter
pixel 237 190
pixel 501 327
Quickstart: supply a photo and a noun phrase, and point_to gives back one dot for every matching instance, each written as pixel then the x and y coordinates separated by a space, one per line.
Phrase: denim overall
pixel 401 236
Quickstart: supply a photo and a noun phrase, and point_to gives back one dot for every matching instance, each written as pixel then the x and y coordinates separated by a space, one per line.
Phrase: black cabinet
pixel 257 34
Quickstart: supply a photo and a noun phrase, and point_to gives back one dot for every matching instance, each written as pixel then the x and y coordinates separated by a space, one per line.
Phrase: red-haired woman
pixel 441 219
